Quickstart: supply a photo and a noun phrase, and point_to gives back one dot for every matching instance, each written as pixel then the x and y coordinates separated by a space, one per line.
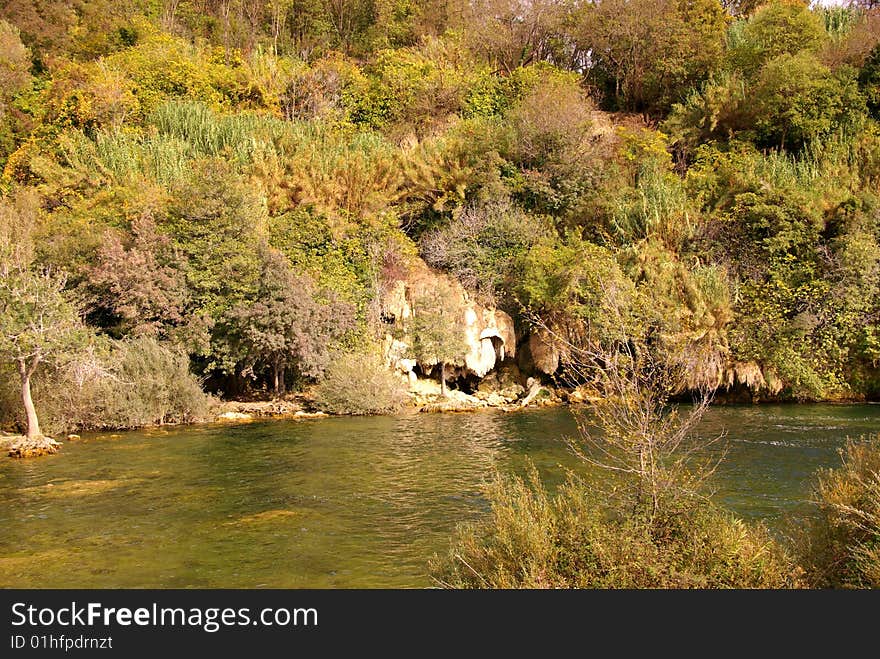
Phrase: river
pixel 339 502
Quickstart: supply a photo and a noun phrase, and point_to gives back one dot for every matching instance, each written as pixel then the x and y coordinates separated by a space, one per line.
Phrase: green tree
pixel 437 332
pixel 37 324
pixel 869 81
pixel 646 54
pixel 798 100
pixel 287 325
pixel 781 27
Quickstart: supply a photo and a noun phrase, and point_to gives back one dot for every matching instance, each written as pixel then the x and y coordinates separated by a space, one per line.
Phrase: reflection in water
pixel 347 502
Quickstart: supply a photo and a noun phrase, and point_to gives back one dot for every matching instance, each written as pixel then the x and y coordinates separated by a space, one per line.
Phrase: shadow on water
pixel 343 502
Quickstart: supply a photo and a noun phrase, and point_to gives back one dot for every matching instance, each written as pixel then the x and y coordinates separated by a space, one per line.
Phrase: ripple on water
pixel 343 502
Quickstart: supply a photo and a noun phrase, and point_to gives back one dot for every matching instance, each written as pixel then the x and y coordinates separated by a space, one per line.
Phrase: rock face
pixel 545 356
pixel 489 332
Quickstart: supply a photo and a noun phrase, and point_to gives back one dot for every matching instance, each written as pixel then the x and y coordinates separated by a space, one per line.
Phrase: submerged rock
pixel 25 447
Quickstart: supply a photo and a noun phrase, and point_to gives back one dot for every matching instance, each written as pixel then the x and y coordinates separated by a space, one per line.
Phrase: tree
pixel 642 435
pixel 869 81
pixel 778 28
pixel 37 324
pixel 797 100
pixel 437 334
pixel 648 53
pixel 286 325
pixel 512 33
pixel 349 19
pixel 137 285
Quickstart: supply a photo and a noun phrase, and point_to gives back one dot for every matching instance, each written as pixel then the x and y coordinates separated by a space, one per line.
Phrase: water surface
pixel 341 502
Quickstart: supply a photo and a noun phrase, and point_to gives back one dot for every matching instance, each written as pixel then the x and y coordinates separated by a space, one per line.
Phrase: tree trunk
pixel 278 370
pixel 33 423
pixel 443 379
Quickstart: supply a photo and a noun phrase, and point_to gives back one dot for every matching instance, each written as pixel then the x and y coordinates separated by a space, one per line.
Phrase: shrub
pixel 573 540
pixel 840 547
pixel 481 246
pixel 153 385
pixel 360 383
pixel 117 385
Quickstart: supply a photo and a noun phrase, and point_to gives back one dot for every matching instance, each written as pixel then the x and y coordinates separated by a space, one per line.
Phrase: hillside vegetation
pixel 218 193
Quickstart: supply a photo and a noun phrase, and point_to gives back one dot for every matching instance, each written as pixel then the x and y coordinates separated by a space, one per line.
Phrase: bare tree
pixel 634 427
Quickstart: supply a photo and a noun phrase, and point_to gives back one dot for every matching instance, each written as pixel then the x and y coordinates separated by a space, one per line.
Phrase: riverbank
pixel 424 396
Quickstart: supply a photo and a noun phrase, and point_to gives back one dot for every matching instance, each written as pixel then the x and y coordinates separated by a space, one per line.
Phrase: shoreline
pixel 301 407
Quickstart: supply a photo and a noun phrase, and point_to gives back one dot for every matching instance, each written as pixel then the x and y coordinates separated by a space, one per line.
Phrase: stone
pixel 234 416
pixel 582 395
pixel 544 355
pixel 299 414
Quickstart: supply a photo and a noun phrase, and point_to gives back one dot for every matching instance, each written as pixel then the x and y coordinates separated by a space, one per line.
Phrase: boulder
pixel 545 356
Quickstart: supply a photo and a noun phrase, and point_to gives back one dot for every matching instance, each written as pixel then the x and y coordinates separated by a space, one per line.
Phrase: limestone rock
pixel 489 332
pixel 539 395
pixel 455 401
pixel 299 414
pixel 545 356
pixel 234 416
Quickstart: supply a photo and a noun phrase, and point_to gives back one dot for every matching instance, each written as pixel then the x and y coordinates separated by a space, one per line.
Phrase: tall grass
pixel 572 540
pixel 840 547
pixel 235 136
pixel 839 21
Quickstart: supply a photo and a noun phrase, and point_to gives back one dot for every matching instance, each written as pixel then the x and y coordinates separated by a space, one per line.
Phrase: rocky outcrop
pixel 489 332
pixel 241 411
pixel 753 377
pixel 544 355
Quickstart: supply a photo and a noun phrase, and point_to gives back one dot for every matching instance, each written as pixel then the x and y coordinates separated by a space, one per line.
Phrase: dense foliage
pixel 237 181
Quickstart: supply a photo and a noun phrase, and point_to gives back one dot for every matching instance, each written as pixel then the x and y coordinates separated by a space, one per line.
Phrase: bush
pixel 116 385
pixel 840 547
pixel 153 386
pixel 573 540
pixel 481 246
pixel 360 384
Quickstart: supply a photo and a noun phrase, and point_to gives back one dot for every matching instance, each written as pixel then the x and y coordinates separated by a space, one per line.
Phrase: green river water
pixel 340 502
